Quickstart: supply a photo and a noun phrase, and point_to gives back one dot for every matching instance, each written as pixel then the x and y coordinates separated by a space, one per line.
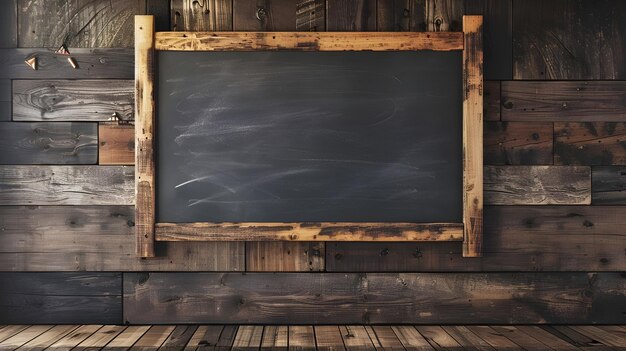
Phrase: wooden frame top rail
pixel 308 41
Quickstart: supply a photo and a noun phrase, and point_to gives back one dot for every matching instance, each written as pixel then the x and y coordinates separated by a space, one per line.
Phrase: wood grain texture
pixel 79 23
pixel 349 16
pixel 564 101
pixel 144 134
pixel 66 185
pixel 313 41
pixel 420 15
pixel 303 298
pixel 566 39
pixel 5 100
pixel 116 144
pixel 608 185
pixel 308 231
pixel 518 143
pixel 311 15
pixel 48 143
pixel 198 16
pixel 72 100
pixel 590 143
pixel 8 24
pixel 491 100
pixel 98 238
pixel 61 298
pixel 93 64
pixel 264 15
pixel 537 185
pixel 517 238
pixel 284 256
pixel 472 136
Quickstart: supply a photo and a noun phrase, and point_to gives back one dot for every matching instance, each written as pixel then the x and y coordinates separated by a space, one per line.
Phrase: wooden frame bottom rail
pixel 309 231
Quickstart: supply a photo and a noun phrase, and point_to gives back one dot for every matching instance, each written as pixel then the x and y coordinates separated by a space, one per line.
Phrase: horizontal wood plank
pixel 537 185
pixel 61 298
pixel 426 298
pixel 67 185
pixel 518 143
pixel 322 231
pixel 307 41
pixel 590 143
pixel 285 256
pixel 491 103
pixel 116 144
pixel 73 100
pixel 98 238
pixel 585 101
pixel 48 143
pixel 517 238
pixel 608 185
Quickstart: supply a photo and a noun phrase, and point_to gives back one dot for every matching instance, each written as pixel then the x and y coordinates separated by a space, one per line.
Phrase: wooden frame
pixel 469 41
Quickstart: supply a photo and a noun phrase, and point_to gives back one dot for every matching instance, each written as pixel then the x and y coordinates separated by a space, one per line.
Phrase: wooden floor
pixel 201 337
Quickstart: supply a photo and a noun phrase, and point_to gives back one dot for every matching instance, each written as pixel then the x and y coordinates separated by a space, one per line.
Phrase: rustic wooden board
pixel 305 298
pixel 275 338
pixel 67 185
pixel 565 39
pixel 517 238
pixel 328 338
pixel 420 15
pixel 69 341
pixel 116 144
pixel 438 338
pixel 8 24
pixel 72 100
pixel 199 16
pixel 311 15
pixel 264 15
pixel 127 338
pixel 518 143
pixel 153 338
pixel 248 338
pixel 564 101
pixel 493 338
pixel 100 339
pixel 94 238
pixel 537 185
pixel 520 338
pixel 46 339
pixel 48 143
pixel 5 100
pixel 590 143
pixel 205 337
pixel 491 100
pixel 608 185
pixel 285 256
pixel 301 338
pixel 160 9
pixel 61 298
pixel 348 15
pixel 92 63
pixel 85 23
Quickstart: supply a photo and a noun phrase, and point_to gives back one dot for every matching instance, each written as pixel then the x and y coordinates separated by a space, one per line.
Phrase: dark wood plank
pixel 72 100
pixel 198 16
pixel 498 34
pixel 205 338
pixel 494 338
pixel 608 185
pixel 160 9
pixel 600 101
pixel 425 298
pixel 5 100
pixel 67 185
pixel 469 340
pixel 116 144
pixel 608 338
pixel 227 337
pixel 61 298
pixel 8 24
pixel 438 338
pixel 88 23
pixel 419 15
pixel 92 64
pixel 575 338
pixel 590 143
pixel 94 238
pixel 565 39
pixel 491 100
pixel 517 238
pixel 520 338
pixel 537 185
pixel 348 15
pixel 546 338
pixel 411 338
pixel 264 15
pixel 311 15
pixel 518 143
pixel 284 256
pixel 387 338
pixel 48 143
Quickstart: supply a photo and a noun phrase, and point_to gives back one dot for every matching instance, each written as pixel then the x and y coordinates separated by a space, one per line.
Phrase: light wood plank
pixel 47 338
pixel 153 338
pixel 189 15
pixel 248 337
pixel 355 337
pixel 301 337
pixel 99 339
pixel 126 338
pixel 469 340
pixel 438 338
pixel 23 337
pixel 411 338
pixel 388 338
pixel 204 338
pixel 494 338
pixel 179 338
pixel 75 337
pixel 10 330
pixel 328 338
pixel 275 338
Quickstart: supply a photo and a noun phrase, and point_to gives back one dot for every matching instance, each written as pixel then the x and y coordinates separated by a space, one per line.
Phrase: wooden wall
pixel 555 177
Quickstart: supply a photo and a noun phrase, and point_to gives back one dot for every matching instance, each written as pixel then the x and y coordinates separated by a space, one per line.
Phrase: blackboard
pixel 309 136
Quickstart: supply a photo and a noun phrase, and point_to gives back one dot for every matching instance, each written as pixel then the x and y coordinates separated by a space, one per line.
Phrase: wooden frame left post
pixel 144 134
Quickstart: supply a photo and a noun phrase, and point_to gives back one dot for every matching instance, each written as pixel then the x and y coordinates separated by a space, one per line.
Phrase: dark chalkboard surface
pixel 309 137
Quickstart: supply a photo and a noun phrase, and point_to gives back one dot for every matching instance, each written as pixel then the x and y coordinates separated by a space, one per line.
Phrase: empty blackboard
pixel 309 136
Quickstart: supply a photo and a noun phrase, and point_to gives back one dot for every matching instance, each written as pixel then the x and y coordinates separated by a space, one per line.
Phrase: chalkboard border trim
pixel 469 41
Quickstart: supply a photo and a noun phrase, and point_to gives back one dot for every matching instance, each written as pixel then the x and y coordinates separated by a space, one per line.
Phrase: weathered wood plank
pixel 93 64
pixel 520 338
pixel 472 136
pixel 607 338
pixel 546 338
pixel 116 144
pixel 8 24
pixel 420 15
pixel 517 238
pixel 248 338
pixel 69 341
pixel 127 338
pixel 66 185
pixel 23 337
pixel 301 338
pixel 275 338
pixel 198 16
pixel 72 100
pixel 86 23
pixel 97 341
pixel 565 39
pixel 355 337
pixel 411 338
pixel 467 338
pixel 5 100
pixel 227 337
pixel 205 338
pixel 518 143
pixel 160 9
pixel 537 185
pixel 328 338
pixel 350 16
pixel 48 143
pixel 95 238
pixel 425 298
pixel 153 338
pixel 61 298
pixel 491 100
pixel 564 101
pixel 311 15
pixel 575 338
pixel 179 338
pixel 264 15
pixel 284 256
pixel 590 143
pixel 9 331
pixel 438 338
pixel 608 185
pixel 493 338
pixel 46 339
